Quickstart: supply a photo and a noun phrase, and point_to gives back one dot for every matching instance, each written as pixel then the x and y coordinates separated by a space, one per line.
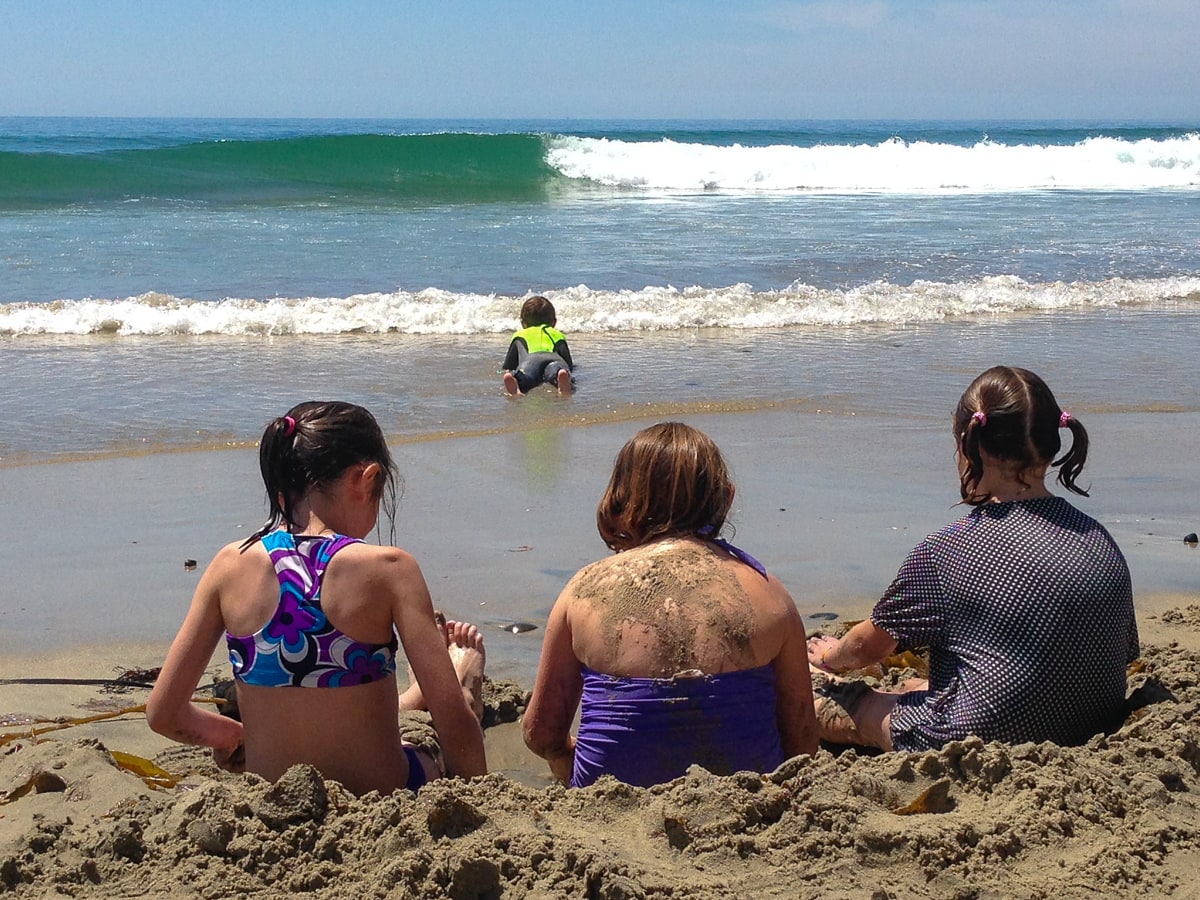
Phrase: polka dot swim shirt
pixel 1027 609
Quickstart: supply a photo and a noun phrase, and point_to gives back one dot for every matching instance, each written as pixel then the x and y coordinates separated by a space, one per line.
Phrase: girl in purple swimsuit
pixel 313 617
pixel 1025 603
pixel 681 648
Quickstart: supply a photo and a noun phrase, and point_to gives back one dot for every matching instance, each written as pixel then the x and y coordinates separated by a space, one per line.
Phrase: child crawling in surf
pixel 538 353
pixel 313 617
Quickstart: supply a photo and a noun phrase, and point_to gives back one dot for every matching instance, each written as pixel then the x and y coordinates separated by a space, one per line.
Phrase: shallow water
pixel 95 394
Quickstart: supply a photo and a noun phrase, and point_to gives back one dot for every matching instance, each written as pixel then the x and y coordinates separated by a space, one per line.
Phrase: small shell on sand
pixel 518 627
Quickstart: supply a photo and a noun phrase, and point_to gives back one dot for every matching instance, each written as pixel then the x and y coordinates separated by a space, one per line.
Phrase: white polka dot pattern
pixel 1027 609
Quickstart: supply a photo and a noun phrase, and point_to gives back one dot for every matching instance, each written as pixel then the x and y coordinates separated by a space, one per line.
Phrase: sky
pixel 589 59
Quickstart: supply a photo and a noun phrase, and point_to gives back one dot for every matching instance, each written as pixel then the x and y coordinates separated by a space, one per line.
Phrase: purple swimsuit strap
pixel 736 552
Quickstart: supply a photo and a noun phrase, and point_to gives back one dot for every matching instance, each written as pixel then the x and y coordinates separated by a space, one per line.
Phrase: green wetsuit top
pixel 540 338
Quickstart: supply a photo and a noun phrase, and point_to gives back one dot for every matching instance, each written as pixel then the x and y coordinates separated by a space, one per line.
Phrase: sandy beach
pixel 1115 818
pixel 499 522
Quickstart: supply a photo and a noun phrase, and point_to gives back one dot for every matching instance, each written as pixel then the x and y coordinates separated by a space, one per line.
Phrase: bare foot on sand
pixel 510 385
pixel 563 378
pixel 465 644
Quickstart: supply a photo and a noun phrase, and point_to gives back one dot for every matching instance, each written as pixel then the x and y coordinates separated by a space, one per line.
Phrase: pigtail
pixel 1012 414
pixel 968 448
pixel 1070 464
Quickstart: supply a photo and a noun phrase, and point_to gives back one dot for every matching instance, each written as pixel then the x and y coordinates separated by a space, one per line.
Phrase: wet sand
pixel 94 552
pixel 831 503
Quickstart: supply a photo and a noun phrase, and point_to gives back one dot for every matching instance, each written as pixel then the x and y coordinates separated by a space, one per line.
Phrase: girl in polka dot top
pixel 1025 603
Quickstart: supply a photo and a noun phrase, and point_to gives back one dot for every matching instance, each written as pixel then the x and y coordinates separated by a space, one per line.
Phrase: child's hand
pixel 820 646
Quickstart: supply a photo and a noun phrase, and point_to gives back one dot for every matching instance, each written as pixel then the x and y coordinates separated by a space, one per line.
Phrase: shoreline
pixel 830 503
pixel 1120 360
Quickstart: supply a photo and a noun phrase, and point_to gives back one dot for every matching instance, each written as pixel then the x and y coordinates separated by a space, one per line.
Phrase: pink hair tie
pixel 980 417
pixel 1064 420
pixel 289 426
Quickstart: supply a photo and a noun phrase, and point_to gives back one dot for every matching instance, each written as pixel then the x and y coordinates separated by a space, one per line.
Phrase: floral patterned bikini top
pixel 299 647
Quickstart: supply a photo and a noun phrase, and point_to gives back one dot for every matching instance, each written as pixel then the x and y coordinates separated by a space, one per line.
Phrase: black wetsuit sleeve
pixel 561 348
pixel 513 358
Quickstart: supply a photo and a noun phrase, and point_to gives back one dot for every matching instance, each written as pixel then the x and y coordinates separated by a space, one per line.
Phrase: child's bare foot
pixel 563 378
pixel 412 698
pixel 465 644
pixel 510 385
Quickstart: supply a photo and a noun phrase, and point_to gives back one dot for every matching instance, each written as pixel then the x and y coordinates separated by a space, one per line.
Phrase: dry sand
pixel 1118 817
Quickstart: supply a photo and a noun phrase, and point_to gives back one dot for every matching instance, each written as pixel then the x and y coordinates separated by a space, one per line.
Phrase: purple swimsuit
pixel 647 731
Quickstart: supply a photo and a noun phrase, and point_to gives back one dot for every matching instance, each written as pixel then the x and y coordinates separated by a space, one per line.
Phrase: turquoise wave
pixel 386 169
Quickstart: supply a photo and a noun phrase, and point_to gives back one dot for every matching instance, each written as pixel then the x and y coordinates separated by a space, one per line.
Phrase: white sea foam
pixel 582 309
pixel 893 166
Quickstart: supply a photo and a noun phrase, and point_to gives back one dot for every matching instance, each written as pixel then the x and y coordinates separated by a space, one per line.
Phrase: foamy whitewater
pixel 164 282
pixel 893 165
pixel 434 311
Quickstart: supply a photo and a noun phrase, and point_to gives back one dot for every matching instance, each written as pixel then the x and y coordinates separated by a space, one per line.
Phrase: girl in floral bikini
pixel 311 615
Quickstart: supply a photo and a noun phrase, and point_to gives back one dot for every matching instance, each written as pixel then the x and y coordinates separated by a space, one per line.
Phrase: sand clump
pixel 1118 817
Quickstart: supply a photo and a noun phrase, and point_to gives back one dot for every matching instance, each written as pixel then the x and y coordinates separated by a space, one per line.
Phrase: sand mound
pixel 1115 818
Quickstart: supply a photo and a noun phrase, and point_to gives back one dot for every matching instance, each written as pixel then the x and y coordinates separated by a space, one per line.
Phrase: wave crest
pixel 583 310
pixel 890 166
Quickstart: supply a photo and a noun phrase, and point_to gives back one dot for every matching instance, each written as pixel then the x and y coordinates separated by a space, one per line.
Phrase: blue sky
pixel 979 59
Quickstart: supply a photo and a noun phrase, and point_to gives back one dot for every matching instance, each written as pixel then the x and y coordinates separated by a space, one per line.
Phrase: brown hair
pixel 668 479
pixel 311 446
pixel 538 311
pixel 1011 415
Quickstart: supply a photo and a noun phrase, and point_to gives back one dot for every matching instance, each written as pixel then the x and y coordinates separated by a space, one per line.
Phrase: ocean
pixel 815 294
pixel 175 283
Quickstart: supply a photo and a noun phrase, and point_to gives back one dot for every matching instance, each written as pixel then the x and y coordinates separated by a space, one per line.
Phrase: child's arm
pixel 557 690
pixel 561 348
pixel 513 358
pixel 169 709
pixel 458 729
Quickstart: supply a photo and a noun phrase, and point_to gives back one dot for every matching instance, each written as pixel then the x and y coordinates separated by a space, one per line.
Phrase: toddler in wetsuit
pixel 538 353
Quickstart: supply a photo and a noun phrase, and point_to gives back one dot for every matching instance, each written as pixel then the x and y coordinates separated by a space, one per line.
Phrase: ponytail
pixel 313 445
pixel 1070 464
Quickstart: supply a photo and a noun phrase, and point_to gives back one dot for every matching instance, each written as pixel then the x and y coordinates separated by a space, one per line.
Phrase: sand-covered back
pixel 1118 817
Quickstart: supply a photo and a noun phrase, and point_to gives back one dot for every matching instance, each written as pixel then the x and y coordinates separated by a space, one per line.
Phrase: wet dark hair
pixel 668 479
pixel 312 446
pixel 538 311
pixel 1011 415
